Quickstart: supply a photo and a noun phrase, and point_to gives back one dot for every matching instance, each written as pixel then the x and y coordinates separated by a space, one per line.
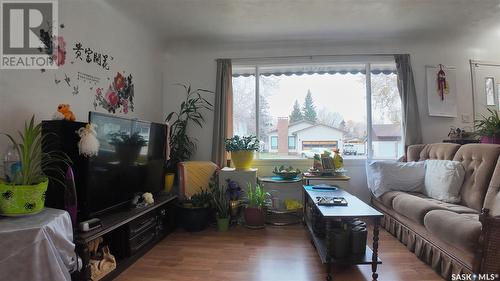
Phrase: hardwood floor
pixel 271 254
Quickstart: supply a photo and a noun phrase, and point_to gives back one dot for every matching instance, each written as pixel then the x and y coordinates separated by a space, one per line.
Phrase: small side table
pixel 281 216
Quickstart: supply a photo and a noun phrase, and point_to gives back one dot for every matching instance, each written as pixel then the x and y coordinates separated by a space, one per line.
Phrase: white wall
pixel 196 64
pixel 95 24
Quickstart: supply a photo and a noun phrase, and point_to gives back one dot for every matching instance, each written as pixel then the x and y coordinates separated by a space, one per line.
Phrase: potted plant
pixel 220 198
pixel 195 211
pixel 242 150
pixel 488 128
pixel 256 206
pixel 182 146
pixel 127 146
pixel 25 192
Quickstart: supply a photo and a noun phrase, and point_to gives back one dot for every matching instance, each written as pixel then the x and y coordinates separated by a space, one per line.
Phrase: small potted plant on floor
pixel 24 193
pixel 242 150
pixel 256 206
pixel 220 198
pixel 488 128
pixel 195 211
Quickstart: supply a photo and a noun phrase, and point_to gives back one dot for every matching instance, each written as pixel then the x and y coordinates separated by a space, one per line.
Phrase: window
pixel 318 107
pixel 291 142
pixel 274 142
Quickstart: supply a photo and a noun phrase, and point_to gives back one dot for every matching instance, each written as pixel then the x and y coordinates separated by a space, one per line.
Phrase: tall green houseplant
pixel 25 193
pixel 488 127
pixel 182 146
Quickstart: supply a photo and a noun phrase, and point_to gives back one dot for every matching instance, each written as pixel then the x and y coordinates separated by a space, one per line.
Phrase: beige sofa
pixel 452 238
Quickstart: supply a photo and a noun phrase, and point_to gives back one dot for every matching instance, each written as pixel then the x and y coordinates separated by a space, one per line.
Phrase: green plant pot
pixel 222 224
pixel 20 200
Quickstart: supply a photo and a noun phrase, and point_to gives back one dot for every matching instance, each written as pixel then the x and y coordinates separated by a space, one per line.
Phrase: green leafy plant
pixel 238 143
pixel 182 145
pixel 34 162
pixel 125 139
pixel 257 197
pixel 220 200
pixel 488 126
pixel 201 199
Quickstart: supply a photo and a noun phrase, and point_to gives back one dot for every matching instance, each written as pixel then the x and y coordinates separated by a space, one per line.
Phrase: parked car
pixel 349 149
pixel 315 150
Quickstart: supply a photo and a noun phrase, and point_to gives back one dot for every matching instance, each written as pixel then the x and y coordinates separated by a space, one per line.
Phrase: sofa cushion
pixel 388 197
pixel 492 199
pixel 442 151
pixel 479 161
pixel 443 180
pixel 459 230
pixel 415 207
pixel 384 176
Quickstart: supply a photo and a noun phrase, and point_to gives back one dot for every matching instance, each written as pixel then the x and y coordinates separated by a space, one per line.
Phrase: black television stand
pixel 128 233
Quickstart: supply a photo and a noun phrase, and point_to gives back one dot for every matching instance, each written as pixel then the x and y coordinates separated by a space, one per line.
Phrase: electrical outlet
pixel 466 118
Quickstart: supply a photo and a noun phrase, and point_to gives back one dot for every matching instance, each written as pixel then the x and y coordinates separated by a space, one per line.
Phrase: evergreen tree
pixel 309 110
pixel 296 115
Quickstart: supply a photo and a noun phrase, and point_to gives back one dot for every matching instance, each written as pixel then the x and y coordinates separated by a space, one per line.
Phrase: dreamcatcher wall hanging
pixel 441 90
pixel 442 85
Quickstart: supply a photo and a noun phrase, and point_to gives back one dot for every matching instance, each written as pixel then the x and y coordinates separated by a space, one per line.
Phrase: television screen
pixel 130 160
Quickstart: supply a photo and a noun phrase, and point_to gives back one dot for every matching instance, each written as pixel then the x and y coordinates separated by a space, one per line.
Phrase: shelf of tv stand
pixel 121 217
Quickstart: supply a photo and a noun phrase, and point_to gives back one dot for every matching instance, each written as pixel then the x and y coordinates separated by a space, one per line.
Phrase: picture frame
pixel 489 89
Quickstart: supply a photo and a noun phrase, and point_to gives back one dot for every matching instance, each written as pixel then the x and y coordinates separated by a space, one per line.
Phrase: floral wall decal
pixel 118 97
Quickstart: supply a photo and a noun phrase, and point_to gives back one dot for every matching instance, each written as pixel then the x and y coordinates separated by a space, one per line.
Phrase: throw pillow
pixel 384 176
pixel 444 179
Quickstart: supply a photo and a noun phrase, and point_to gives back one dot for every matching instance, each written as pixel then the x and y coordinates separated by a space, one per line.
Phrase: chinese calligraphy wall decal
pixel 118 97
pixel 89 55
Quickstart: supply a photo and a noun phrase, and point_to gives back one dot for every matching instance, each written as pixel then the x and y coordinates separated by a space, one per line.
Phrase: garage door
pixel 308 145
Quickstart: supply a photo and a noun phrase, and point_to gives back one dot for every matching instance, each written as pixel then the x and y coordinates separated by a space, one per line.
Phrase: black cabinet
pixel 129 234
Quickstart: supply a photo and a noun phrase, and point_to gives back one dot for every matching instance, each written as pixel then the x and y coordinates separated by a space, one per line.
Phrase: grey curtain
pixel 223 111
pixel 412 132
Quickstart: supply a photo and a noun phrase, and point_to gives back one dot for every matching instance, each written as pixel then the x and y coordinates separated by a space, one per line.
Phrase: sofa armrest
pixel 487 258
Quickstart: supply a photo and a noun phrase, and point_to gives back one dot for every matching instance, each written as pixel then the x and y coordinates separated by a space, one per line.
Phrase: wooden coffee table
pixel 355 209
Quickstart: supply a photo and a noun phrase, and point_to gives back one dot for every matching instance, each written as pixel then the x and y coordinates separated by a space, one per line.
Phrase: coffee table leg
pixel 328 250
pixel 376 227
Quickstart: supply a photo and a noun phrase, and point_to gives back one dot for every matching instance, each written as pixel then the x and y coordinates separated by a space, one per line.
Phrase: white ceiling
pixel 231 21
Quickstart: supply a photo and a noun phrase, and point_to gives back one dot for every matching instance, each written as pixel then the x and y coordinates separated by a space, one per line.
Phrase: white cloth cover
pixel 443 180
pixel 37 247
pixel 384 176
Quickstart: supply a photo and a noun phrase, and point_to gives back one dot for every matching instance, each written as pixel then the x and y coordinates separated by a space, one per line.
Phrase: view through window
pixel 305 110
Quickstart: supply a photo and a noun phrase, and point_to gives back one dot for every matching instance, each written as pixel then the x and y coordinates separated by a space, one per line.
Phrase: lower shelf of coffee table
pixel 320 245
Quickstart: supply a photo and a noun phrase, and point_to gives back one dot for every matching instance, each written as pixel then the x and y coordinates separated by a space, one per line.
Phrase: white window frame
pixel 367 60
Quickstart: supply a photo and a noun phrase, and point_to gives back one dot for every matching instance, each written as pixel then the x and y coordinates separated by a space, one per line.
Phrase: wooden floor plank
pixel 271 254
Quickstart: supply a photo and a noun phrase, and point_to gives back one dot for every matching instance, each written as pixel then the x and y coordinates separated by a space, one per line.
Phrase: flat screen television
pixel 131 160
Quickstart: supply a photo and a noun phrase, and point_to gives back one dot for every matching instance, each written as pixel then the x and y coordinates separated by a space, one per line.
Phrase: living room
pixel 356 100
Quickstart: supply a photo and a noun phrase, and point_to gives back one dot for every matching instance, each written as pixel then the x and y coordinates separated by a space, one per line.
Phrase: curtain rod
pixel 310 57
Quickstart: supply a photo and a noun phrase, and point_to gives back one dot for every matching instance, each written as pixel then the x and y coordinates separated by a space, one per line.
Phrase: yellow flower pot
pixel 242 159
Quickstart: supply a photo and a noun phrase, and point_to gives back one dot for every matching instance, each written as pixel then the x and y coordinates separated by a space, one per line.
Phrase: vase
pixel 222 224
pixel 19 200
pixel 254 217
pixel 490 139
pixel 169 182
pixel 242 159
